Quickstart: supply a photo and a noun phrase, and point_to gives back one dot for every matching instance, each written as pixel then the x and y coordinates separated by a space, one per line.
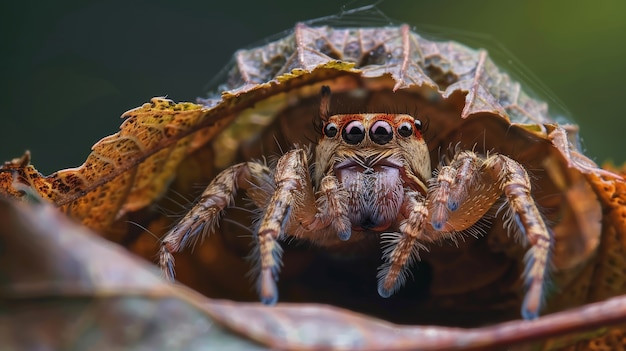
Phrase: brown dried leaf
pixel 131 169
pixel 64 287
pixel 124 172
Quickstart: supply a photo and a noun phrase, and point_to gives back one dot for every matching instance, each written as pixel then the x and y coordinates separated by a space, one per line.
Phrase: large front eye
pixel 381 132
pixel 353 133
pixel 330 130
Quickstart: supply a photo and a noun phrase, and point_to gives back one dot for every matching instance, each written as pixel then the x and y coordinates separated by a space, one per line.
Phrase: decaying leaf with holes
pixel 426 162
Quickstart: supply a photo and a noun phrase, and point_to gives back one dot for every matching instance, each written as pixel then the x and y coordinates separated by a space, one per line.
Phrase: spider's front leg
pixel 253 177
pixel 460 195
pixel 523 212
pixel 444 211
pixel 293 199
pixel 401 249
pixel 286 194
pixel 470 185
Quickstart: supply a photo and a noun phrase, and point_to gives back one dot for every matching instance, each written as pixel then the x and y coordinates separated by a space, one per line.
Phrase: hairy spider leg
pixel 479 182
pixel 401 250
pixel 205 215
pixel 293 200
pixel 461 195
pixel 515 184
pixel 286 197
pixel 458 197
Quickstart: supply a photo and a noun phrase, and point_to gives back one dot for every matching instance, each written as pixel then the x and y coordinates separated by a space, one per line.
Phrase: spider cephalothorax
pixel 375 157
pixel 371 176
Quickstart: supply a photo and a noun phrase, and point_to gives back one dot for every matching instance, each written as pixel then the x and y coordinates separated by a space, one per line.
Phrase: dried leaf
pixel 125 171
pixel 63 287
pixel 75 290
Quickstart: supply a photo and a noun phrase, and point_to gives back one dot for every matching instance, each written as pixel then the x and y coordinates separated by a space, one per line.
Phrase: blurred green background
pixel 70 68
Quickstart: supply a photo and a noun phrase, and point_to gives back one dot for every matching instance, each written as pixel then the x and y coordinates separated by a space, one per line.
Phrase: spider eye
pixel 405 129
pixel 330 130
pixel 381 132
pixel 418 125
pixel 353 133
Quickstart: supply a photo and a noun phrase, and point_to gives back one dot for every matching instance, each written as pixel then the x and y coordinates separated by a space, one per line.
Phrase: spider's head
pixel 387 144
pixel 375 156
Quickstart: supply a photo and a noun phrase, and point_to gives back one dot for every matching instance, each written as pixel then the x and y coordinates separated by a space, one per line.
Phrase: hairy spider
pixel 372 176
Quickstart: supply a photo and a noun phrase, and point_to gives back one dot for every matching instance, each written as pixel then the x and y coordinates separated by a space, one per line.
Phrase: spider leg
pixel 293 200
pixel 515 184
pixel 465 190
pixel 205 214
pixel 467 165
pixel 329 210
pixel 461 194
pixel 439 195
pixel 401 249
pixel 455 181
pixel 289 196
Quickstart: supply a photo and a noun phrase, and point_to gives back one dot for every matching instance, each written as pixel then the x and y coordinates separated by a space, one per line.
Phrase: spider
pixel 371 176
